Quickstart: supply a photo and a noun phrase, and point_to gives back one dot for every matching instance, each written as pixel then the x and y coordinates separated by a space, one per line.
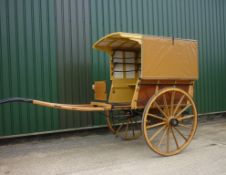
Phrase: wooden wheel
pixel 169 121
pixel 124 124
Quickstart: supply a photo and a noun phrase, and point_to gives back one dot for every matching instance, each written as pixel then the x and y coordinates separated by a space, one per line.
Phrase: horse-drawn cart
pixel 152 82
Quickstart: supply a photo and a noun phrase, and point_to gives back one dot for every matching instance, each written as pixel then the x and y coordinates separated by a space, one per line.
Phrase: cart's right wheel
pixel 124 124
pixel 169 121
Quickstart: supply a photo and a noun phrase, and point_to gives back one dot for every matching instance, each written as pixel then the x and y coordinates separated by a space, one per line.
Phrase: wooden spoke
pixel 155 116
pixel 184 126
pixel 119 128
pixel 126 130
pixel 133 131
pixel 172 102
pixel 163 136
pixel 175 139
pixel 185 117
pixel 159 108
pixel 184 109
pixel 133 127
pixel 156 133
pixel 180 133
pixel 179 103
pixel 167 140
pixel 124 124
pixel 155 125
pixel 165 104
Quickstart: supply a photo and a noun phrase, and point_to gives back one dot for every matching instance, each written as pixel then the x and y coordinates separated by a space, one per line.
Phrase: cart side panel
pixel 122 91
pixel 146 89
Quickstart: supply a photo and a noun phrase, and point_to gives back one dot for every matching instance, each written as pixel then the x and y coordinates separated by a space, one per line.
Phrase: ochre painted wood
pixel 100 89
pixel 145 89
pixel 80 107
pixel 101 104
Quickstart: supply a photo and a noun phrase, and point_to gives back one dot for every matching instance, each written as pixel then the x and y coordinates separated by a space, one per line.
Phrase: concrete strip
pixel 102 153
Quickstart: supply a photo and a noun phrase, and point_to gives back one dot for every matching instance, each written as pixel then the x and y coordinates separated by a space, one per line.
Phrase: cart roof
pixel 119 40
pixel 161 57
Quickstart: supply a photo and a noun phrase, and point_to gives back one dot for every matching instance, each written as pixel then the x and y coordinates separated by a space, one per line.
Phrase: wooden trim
pixel 101 104
pixel 148 84
pixel 167 78
pixel 165 82
pixel 135 96
pixel 191 89
pixel 70 107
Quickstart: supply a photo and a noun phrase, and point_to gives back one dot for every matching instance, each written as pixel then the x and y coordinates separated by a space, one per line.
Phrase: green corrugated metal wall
pixel 27 64
pixel 45 53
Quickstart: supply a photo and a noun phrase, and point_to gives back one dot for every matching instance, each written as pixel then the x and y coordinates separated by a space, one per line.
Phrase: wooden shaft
pixel 71 107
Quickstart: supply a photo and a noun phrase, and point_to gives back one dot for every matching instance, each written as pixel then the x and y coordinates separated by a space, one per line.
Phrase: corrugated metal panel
pixel 202 20
pixel 74 59
pixel 45 52
pixel 27 65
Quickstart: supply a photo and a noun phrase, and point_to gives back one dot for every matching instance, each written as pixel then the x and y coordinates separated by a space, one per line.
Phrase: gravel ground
pixel 98 152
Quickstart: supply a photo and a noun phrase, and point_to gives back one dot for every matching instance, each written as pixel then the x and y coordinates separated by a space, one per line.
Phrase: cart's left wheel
pixel 124 124
pixel 169 121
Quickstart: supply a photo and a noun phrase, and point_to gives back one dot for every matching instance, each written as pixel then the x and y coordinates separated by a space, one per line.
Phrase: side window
pixel 130 67
pixel 117 60
pixel 139 64
pixel 126 64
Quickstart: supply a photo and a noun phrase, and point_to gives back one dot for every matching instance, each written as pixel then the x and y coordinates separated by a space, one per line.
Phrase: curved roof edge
pixel 109 41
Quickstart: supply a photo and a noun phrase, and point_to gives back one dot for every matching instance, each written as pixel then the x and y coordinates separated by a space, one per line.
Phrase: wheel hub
pixel 173 122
